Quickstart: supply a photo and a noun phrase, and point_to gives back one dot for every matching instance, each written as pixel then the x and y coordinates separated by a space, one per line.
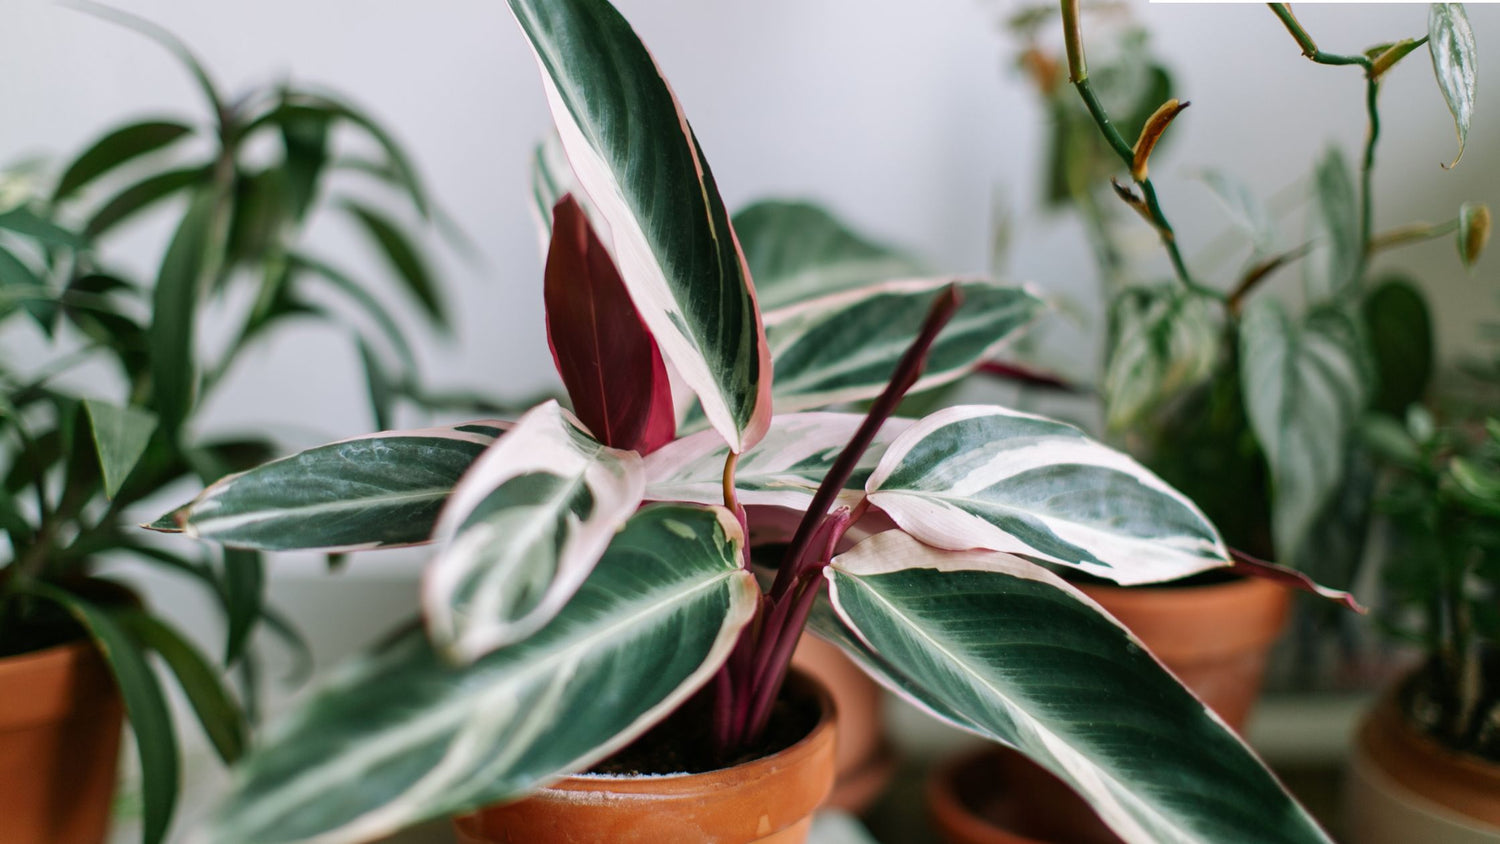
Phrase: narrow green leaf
pixel 400 169
pixel 403 257
pixel 1400 331
pixel 378 386
pixel 1245 210
pixel 222 720
pixel 1450 41
pixel 179 283
pixel 304 137
pixel 1001 647
pixel 116 148
pixel 257 212
pixel 24 222
pixel 401 736
pixel 145 708
pixel 369 304
pixel 1162 341
pixel 140 196
pixel 19 281
pixel 244 598
pixel 120 438
pixel 1338 218
pixel 166 40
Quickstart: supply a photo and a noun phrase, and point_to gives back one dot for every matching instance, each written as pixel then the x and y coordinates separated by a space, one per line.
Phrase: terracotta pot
pixel 770 800
pixel 995 795
pixel 60 719
pixel 864 761
pixel 1404 787
pixel 1215 638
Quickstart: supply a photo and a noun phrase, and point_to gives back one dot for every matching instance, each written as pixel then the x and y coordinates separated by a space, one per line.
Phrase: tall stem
pixel 1366 173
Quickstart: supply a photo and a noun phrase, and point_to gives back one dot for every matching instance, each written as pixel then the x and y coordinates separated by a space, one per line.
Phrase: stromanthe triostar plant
pixel 592 569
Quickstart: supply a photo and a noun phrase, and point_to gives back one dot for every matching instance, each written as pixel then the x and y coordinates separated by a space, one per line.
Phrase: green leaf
pixel 374 491
pixel 1162 341
pixel 142 195
pixel 986 477
pixel 1305 386
pixel 304 137
pixel 400 736
pixel 145 708
pixel 1450 41
pixel 179 283
pixel 1005 649
pixel 222 720
pixel 116 148
pixel 379 387
pixel 797 251
pixel 400 170
pixel 1400 331
pixel 21 282
pixel 1338 218
pixel 258 211
pixel 1390 440
pixel 167 41
pixel 632 150
pixel 24 222
pixel 1245 210
pixel 120 437
pixel 244 597
pixel 845 346
pixel 523 530
pixel 301 262
pixel 403 257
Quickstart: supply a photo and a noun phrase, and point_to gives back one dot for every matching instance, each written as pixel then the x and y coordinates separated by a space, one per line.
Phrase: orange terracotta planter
pixel 1215 638
pixel 994 795
pixel 770 801
pixel 1405 787
pixel 60 720
pixel 864 761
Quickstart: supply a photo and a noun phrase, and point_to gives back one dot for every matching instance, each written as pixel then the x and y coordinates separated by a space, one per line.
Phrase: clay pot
pixel 770 800
pixel 60 719
pixel 864 760
pixel 995 795
pixel 1405 787
pixel 1215 638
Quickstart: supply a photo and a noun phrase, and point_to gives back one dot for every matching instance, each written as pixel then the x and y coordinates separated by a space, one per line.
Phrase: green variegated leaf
pixel 797 251
pixel 1162 340
pixel 987 477
pixel 1305 386
pixel 633 152
pixel 845 346
pixel 1338 220
pixel 1450 40
pixel 375 491
pixel 402 736
pixel 523 529
pixel 1001 647
pixel 783 470
pixel 1245 210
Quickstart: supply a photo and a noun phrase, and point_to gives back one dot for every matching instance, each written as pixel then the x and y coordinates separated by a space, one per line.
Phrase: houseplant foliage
pixel 592 571
pixel 1248 406
pixel 75 459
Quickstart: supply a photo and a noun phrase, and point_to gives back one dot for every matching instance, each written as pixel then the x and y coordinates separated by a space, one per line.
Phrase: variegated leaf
pixel 1450 40
pixel 375 491
pixel 523 529
pixel 845 346
pixel 783 470
pixel 1001 647
pixel 635 155
pixel 987 477
pixel 798 251
pixel 1162 340
pixel 402 736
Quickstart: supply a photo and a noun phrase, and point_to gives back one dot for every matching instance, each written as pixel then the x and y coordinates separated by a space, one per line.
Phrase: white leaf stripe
pixel 987 477
pixel 400 736
pixel 1008 650
pixel 523 529
pixel 845 346
pixel 784 469
pixel 636 157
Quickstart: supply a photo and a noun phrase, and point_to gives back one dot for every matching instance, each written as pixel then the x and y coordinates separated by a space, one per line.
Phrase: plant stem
pixel 1366 174
pixel 1259 273
pixel 1310 47
pixel 1410 233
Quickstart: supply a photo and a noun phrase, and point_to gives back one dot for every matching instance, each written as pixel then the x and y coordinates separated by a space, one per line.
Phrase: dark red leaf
pixel 1291 578
pixel 608 360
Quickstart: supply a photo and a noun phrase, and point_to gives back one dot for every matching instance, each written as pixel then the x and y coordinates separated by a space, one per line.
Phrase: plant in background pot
pixel 571 628
pixel 102 418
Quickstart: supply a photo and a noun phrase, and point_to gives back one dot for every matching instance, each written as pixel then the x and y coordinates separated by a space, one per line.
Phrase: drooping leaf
pixel 120 438
pixel 244 587
pixel 522 530
pixel 304 138
pixel 797 251
pixel 606 356
pixel 1305 385
pixel 1400 331
pixel 783 470
pixel 1338 220
pixel 222 720
pixel 1005 649
pixel 1162 340
pixel 302 262
pixel 24 222
pixel 399 168
pixel 258 211
pixel 374 491
pixel 404 258
pixel 142 195
pixel 145 708
pixel 635 155
pixel 167 41
pixel 845 346
pixel 401 736
pixel 1450 41
pixel 116 148
pixel 987 477
pixel 179 283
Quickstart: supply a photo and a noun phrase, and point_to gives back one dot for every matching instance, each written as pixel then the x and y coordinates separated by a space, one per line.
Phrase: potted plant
pixel 80 452
pixel 563 620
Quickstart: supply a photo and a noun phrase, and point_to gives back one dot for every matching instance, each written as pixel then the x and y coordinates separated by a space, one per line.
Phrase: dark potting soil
pixel 683 743
pixel 1427 700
